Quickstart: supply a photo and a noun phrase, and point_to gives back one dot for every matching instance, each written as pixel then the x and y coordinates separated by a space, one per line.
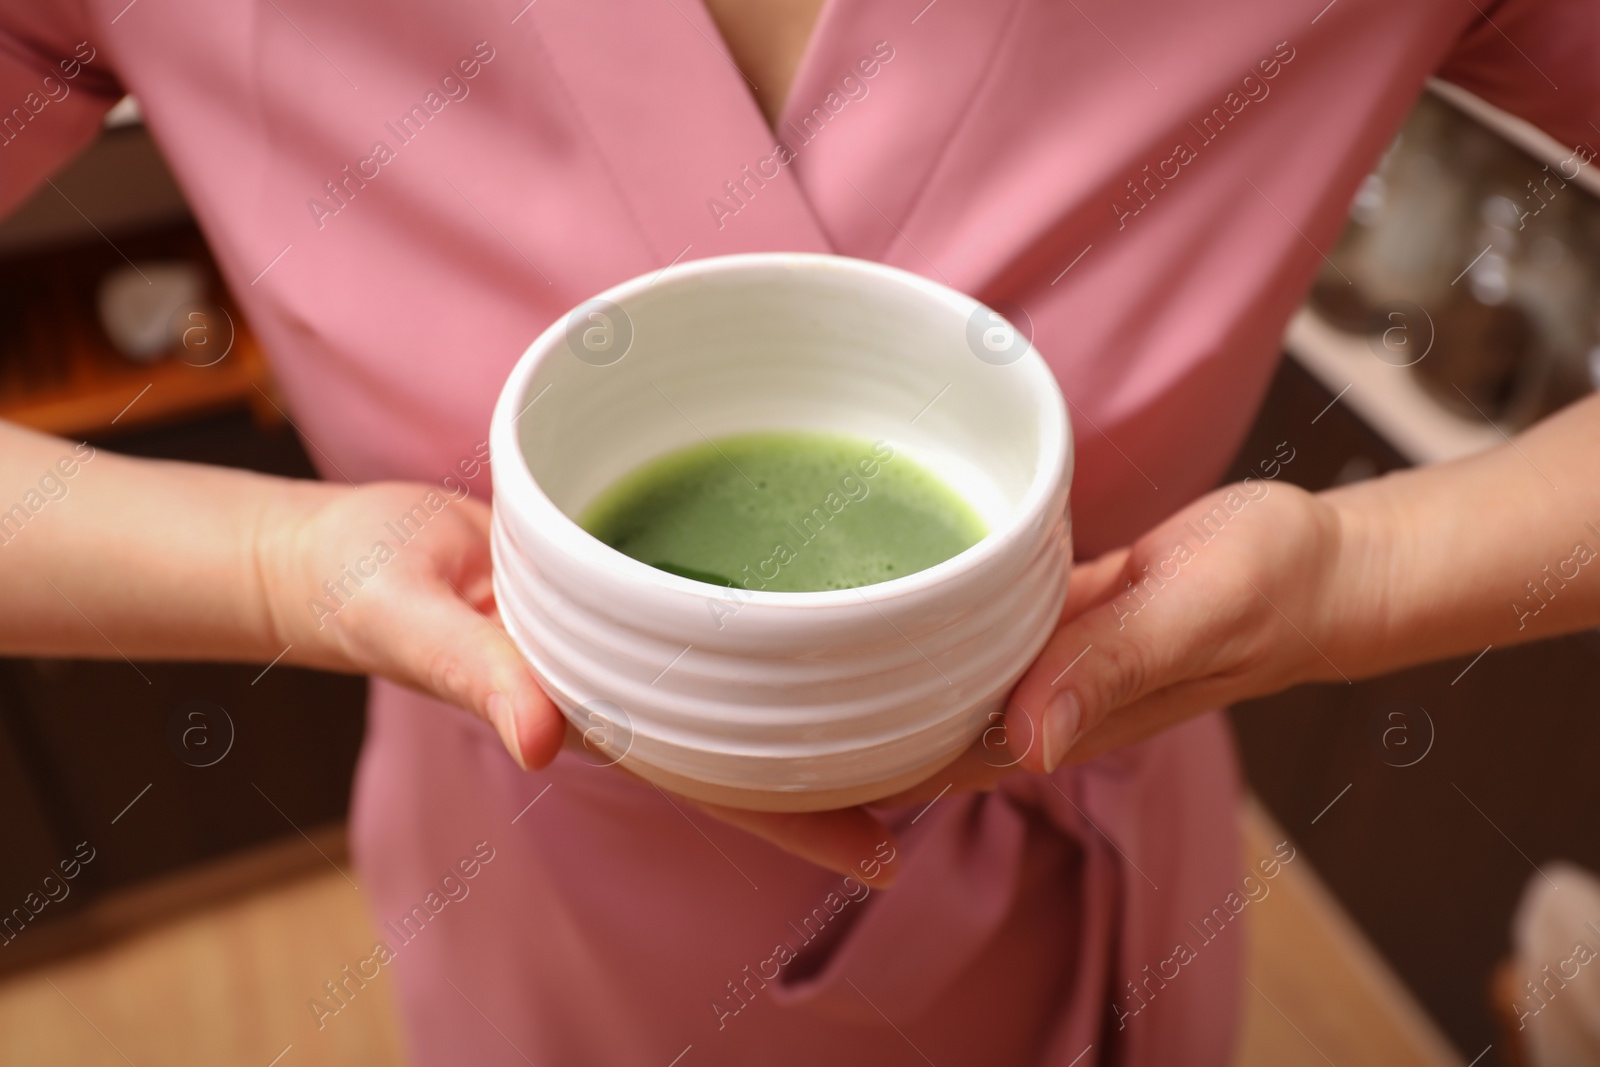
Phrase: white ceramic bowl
pixel 779 701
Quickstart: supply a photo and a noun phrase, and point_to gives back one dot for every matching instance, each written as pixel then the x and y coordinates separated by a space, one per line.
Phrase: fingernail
pixel 1061 720
pixel 504 721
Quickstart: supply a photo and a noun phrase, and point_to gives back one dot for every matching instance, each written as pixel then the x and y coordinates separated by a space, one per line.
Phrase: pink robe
pixel 1085 161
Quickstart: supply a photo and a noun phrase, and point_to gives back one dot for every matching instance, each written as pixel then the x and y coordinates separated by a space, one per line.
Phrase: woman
pixel 402 196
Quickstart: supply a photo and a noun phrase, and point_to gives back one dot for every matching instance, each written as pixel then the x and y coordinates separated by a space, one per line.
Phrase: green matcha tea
pixel 789 511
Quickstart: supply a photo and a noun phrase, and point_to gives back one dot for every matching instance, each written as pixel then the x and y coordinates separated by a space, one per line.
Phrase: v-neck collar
pixel 677 126
pixel 866 174
pixel 681 133
pixel 810 58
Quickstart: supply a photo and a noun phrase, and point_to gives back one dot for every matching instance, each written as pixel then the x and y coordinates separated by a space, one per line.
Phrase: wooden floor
pixel 1317 992
pixel 229 984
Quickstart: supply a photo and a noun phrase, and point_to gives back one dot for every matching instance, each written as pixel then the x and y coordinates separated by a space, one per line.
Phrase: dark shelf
pixel 1429 877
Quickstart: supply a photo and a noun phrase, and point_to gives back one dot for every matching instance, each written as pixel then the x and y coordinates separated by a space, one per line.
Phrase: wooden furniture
pixel 60 373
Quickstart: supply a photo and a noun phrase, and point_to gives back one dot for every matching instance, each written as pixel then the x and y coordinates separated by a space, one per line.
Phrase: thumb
pixel 1094 664
pixel 443 646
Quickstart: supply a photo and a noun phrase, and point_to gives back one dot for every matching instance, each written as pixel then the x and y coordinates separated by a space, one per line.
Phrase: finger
pixel 467 562
pixel 1096 663
pixel 1148 716
pixel 467 660
pixel 998 752
pixel 1095 582
pixel 1021 731
pixel 478 514
pixel 846 841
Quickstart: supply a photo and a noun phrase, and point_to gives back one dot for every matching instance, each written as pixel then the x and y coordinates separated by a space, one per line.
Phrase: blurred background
pixel 1459 306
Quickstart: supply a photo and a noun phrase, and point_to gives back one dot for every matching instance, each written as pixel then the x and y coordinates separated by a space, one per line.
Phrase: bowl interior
pixel 785 343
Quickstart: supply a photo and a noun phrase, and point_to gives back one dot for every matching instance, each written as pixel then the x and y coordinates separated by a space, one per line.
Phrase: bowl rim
pixel 1051 480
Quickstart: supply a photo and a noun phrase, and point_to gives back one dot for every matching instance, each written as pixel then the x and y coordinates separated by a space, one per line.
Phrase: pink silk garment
pixel 404 194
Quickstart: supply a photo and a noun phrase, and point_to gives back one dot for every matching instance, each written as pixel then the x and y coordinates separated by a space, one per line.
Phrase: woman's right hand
pixel 347 593
pixel 394 579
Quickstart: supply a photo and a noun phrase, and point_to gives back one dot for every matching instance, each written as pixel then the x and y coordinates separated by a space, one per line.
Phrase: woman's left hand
pixel 1247 591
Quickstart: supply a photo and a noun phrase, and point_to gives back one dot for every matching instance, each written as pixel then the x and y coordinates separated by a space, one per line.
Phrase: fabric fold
pixel 957 887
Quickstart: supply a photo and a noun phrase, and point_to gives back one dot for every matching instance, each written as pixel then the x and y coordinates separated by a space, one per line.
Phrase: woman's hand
pixel 394 579
pixel 1244 592
pixel 1247 591
pixel 374 581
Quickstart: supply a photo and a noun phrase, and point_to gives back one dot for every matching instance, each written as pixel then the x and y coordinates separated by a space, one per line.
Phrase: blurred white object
pixel 1556 937
pixel 139 306
pixel 124 113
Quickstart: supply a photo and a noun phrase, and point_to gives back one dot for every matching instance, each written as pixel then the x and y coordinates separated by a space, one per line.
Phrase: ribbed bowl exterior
pixel 791 698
